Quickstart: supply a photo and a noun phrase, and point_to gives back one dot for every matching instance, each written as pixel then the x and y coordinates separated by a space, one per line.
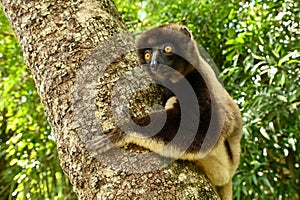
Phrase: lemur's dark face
pixel 163 48
pixel 163 57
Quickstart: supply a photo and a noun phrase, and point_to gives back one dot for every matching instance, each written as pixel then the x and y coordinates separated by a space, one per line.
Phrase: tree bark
pixel 65 42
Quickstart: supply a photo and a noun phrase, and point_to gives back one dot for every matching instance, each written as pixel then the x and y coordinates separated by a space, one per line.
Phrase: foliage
pixel 264 56
pixel 29 164
pixel 256 45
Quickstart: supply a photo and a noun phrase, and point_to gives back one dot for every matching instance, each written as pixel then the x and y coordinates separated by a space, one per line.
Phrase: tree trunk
pixel 70 48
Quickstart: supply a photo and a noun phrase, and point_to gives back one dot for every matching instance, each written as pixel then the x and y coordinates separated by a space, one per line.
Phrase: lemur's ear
pixel 186 31
pixel 179 28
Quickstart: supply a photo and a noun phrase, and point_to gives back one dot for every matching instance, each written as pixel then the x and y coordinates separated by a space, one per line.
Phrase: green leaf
pixel 282 79
pixel 264 133
pixel 282 98
pixel 238 40
pixel 287 57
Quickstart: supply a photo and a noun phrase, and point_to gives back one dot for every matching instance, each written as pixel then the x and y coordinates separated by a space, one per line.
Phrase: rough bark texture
pixel 56 37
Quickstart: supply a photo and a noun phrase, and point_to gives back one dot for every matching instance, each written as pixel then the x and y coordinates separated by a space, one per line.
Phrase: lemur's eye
pixel 147 56
pixel 168 49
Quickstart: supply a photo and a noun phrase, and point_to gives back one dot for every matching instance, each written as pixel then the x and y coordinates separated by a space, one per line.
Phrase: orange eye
pixel 168 49
pixel 147 56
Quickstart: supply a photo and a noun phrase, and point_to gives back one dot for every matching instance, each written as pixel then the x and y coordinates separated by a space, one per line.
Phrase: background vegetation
pixel 256 46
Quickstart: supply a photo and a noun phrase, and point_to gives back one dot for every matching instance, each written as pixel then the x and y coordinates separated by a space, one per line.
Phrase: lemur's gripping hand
pixel 105 141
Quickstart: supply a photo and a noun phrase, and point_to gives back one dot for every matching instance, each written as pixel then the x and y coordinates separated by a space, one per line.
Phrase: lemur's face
pixel 159 59
pixel 161 49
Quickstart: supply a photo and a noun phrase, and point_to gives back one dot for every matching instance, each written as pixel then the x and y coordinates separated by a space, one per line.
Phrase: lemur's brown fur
pixel 222 152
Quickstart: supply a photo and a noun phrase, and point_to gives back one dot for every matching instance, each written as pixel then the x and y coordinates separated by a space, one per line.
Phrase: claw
pixel 100 144
pixel 125 111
